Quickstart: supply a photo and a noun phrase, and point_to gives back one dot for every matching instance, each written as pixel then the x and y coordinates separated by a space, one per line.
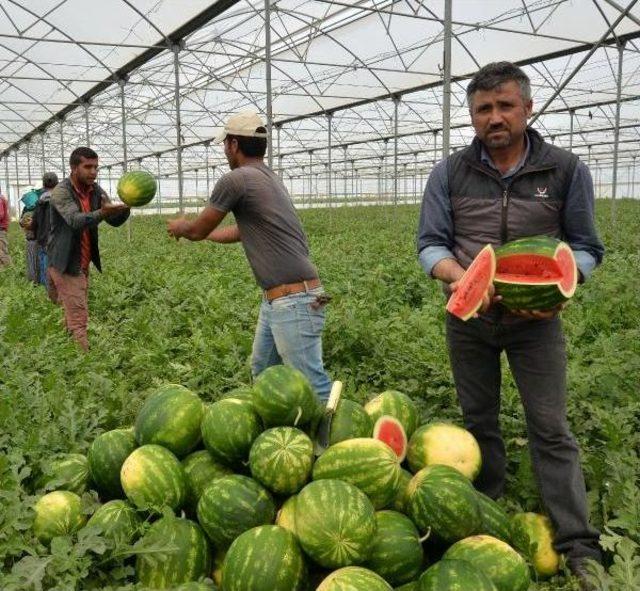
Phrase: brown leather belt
pixel 279 291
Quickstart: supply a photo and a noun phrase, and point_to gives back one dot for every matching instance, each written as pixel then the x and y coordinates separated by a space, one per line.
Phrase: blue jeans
pixel 289 331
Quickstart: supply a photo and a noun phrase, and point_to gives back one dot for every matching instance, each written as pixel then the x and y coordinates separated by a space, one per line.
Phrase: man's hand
pixel 111 209
pixel 176 228
pixel 488 299
pixel 539 314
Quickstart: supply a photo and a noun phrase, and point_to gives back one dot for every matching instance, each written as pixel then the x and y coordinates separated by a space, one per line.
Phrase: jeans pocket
pixel 316 316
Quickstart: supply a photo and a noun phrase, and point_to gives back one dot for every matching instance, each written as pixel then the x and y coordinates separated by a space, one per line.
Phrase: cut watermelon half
pixel 467 299
pixel 389 430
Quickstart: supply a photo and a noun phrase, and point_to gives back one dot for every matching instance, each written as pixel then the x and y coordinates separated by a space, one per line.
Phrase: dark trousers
pixel 537 358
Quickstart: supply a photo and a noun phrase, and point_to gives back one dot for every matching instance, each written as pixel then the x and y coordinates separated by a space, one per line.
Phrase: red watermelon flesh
pixel 389 430
pixel 467 299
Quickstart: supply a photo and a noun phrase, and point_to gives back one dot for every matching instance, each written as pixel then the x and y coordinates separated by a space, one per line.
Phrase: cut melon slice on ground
pixel 473 285
pixel 389 430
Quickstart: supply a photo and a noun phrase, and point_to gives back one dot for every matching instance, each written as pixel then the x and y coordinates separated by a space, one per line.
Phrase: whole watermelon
pixel 170 417
pixel 286 516
pixel 117 520
pixel 70 472
pixel 232 505
pixel 532 535
pixel 281 459
pixel 153 478
pixel 396 553
pixel 229 428
pixel 282 395
pixel 397 405
pixel 187 557
pixel 493 519
pixel 137 188
pixel 400 501
pixel 444 444
pixel 57 513
pixel 443 501
pixel 411 586
pixel 354 578
pixel 454 575
pixel 241 393
pixel 196 586
pixel 367 463
pixel 335 523
pixel 200 470
pixel 265 558
pixel 507 570
pixel 106 456
pixel 350 421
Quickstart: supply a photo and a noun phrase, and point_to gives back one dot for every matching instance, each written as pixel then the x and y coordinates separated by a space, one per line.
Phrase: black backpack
pixel 41 220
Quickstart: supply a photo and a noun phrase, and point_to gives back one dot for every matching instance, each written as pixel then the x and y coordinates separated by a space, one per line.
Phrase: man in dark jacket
pixel 509 184
pixel 41 223
pixel 78 205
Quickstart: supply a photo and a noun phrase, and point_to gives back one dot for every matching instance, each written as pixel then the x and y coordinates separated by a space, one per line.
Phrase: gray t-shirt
pixel 271 233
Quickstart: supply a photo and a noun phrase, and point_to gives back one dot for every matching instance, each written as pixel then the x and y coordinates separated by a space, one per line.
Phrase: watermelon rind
pixel 335 522
pixel 507 570
pixel 471 288
pixel 454 575
pixel 183 554
pixel 106 456
pixel 445 444
pixel 265 558
pixel 57 513
pixel 137 188
pixel 367 463
pixel 390 431
pixel 395 404
pixel 354 578
pixel 532 535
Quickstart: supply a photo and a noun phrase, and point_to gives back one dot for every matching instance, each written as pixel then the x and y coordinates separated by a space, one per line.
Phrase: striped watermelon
pixel 265 558
pixel 396 553
pixel 200 469
pixel 106 456
pixel 57 513
pixel 170 417
pixel 354 578
pixel 196 586
pixel 532 536
pixel 454 575
pixel 241 393
pixel 282 395
pixel 117 520
pixel 70 472
pixel 335 523
pixel 397 405
pixel 137 188
pixel 400 501
pixel 218 561
pixel 500 562
pixel 494 519
pixel 286 516
pixel 232 505
pixel 281 459
pixel 153 478
pixel 367 463
pixel 443 501
pixel 187 556
pixel 445 444
pixel 412 586
pixel 350 421
pixel 536 273
pixel 229 428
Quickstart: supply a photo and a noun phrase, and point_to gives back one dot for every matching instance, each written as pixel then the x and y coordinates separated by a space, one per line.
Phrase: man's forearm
pixel 225 235
pixel 447 270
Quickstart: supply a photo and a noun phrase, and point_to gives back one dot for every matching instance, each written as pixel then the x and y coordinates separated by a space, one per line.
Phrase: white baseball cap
pixel 244 124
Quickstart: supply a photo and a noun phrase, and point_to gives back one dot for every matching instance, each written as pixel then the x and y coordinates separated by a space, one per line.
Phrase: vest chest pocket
pixel 533 216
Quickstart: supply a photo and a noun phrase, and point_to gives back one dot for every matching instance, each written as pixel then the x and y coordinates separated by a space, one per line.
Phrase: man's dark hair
pixel 493 75
pixel 82 152
pixel 49 180
pixel 253 147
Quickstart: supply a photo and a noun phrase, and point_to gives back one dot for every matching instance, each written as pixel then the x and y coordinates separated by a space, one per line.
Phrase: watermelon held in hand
pixel 536 273
pixel 58 513
pixel 390 431
pixel 466 300
pixel 137 188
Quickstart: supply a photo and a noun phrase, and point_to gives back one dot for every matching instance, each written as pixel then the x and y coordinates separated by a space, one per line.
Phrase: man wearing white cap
pixel 292 313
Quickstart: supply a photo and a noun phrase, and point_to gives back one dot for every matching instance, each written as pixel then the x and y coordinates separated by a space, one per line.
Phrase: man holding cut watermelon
pixel 291 318
pixel 509 184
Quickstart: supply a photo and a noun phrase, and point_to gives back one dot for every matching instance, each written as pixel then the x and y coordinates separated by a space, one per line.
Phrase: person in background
pixel 292 315
pixel 41 223
pixel 78 205
pixel 508 184
pixel 29 201
pixel 5 258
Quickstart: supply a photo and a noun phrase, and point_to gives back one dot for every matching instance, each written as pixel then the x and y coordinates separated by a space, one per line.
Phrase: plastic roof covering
pixel 327 56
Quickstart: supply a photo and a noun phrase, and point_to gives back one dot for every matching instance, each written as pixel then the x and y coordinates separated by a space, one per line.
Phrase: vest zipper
pixel 505 206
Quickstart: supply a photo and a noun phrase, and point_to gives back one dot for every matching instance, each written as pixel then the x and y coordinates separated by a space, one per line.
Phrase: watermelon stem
pixel 298 417
pixel 426 536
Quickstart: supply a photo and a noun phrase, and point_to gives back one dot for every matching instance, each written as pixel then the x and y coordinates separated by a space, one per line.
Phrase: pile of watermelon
pixel 229 495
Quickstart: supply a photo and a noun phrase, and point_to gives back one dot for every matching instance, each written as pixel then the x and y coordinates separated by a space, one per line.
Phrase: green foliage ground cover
pixel 185 313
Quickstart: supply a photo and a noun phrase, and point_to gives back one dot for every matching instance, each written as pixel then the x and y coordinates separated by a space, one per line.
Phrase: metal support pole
pixel 415 177
pixel 176 71
pixel 29 161
pixel 344 153
pixel 86 124
pixel 64 168
pixel 310 175
pixel 279 153
pixel 123 122
pixel 633 179
pixel 6 174
pixel 616 136
pixel 589 156
pixel 197 199
pixel 396 102
pixel 435 146
pixel 571 114
pixel 206 167
pixel 303 185
pixel 267 34
pixel 353 180
pixel 17 185
pixel 329 134
pixel 43 156
pixel 109 178
pixel 159 199
pixel 446 86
